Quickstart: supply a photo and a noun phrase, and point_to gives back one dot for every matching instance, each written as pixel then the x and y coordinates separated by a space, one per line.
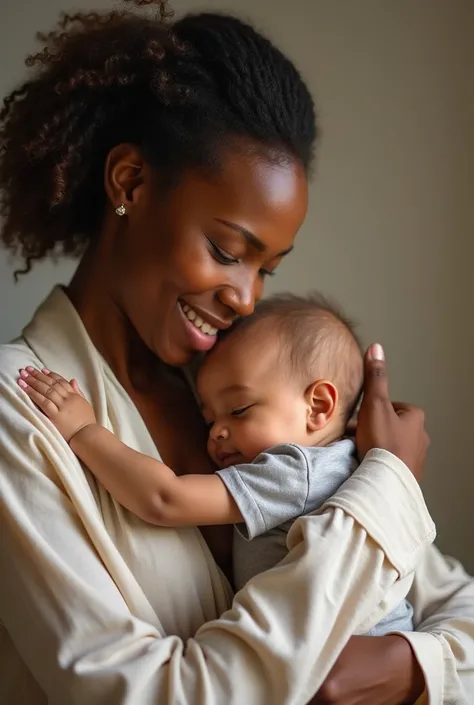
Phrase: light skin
pixel 132 279
pixel 247 414
pixel 252 400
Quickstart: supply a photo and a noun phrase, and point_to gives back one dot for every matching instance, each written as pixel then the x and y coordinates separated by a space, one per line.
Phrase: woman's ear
pixel 321 398
pixel 124 174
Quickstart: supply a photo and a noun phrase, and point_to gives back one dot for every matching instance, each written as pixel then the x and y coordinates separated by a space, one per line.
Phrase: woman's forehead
pixel 260 196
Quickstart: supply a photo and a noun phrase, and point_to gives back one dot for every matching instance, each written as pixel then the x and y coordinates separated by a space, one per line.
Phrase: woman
pixel 176 157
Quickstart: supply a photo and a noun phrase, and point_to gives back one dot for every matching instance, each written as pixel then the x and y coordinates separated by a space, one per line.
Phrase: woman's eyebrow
pixel 250 237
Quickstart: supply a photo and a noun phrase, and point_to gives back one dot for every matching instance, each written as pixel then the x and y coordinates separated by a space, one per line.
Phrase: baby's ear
pixel 321 398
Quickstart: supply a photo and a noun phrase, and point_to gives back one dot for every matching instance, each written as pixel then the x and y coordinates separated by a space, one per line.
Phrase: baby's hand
pixel 61 401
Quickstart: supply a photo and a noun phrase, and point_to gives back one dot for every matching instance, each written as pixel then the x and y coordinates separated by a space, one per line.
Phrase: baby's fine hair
pixel 317 339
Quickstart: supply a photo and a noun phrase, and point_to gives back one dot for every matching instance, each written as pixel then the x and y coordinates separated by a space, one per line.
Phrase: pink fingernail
pixel 45 371
pixel 30 369
pixel 24 374
pixel 377 352
pixel 22 384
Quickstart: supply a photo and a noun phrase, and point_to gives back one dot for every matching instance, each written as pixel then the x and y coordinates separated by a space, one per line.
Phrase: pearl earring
pixel 121 210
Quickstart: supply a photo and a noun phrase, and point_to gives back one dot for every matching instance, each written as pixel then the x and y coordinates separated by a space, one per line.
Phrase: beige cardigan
pixel 101 608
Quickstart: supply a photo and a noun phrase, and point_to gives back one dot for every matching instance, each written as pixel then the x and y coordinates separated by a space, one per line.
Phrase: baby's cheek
pixel 211 450
pixel 260 437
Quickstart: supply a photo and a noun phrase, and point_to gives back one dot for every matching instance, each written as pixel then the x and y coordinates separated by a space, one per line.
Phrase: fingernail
pixel 24 374
pixel 376 352
pixel 45 371
pixel 22 384
pixel 30 369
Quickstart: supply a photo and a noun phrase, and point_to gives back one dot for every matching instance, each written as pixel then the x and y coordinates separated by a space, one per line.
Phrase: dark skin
pixel 163 252
pixel 208 243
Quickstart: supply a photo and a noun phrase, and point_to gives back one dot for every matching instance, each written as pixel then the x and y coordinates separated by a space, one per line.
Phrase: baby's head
pixel 289 373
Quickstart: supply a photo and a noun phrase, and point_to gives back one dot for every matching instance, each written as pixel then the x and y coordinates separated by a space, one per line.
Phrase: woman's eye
pixel 221 255
pixel 265 273
pixel 242 410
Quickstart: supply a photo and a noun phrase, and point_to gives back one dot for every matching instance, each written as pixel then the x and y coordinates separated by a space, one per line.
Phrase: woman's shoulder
pixel 14 356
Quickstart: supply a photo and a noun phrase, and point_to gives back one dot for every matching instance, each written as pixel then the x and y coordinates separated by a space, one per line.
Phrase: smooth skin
pixel 180 247
pixel 145 486
pixel 63 403
pixel 153 491
pixel 210 242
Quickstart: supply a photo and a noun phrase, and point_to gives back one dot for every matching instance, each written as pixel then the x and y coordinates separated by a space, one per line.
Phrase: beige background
pixel 390 232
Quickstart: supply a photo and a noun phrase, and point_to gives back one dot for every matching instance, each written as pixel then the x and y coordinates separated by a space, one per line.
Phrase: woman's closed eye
pixel 265 273
pixel 226 258
pixel 221 255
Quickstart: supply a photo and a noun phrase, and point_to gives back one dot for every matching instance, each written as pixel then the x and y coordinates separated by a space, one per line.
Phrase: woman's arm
pixel 144 485
pixel 278 642
pixel 434 664
pixel 443 600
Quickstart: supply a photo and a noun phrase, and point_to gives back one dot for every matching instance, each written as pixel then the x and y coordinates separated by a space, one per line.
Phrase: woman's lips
pixel 198 320
pixel 199 340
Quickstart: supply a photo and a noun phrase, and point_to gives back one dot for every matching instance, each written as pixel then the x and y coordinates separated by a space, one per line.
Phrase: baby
pixel 277 392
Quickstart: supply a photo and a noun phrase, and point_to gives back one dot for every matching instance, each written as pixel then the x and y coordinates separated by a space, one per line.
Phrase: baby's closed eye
pixel 241 410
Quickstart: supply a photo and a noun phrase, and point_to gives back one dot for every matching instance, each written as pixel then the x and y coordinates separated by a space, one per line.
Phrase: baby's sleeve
pixel 270 490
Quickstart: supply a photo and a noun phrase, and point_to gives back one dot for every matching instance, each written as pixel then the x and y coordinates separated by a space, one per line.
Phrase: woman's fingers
pixel 402 407
pixel 413 415
pixel 375 375
pixel 398 428
pixel 351 427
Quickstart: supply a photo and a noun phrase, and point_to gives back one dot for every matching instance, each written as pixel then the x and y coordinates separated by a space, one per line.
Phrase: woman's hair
pixel 177 90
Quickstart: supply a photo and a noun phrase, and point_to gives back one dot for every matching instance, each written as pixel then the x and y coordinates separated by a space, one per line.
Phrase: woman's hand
pixel 398 428
pixel 373 670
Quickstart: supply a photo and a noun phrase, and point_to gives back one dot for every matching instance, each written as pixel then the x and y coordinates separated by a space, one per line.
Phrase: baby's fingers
pixel 49 388
pixel 49 381
pixel 76 387
pixel 68 387
pixel 47 404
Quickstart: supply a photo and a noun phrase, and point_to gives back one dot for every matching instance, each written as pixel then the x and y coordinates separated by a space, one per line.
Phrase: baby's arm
pixel 145 486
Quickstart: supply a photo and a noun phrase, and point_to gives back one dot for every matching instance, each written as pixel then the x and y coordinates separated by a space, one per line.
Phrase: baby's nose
pixel 219 433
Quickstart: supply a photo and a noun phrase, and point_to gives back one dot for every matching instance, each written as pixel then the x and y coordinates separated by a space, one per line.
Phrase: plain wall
pixel 391 222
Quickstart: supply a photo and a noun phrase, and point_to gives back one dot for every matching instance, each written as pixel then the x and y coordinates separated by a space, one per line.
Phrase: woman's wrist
pixel 404 669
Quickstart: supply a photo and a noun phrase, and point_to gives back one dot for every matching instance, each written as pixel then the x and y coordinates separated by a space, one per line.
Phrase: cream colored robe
pixel 100 608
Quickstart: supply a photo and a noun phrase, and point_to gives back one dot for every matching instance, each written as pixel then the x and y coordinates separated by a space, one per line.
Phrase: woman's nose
pixel 241 295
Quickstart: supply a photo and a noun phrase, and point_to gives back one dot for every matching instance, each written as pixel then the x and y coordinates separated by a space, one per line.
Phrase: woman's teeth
pixel 197 321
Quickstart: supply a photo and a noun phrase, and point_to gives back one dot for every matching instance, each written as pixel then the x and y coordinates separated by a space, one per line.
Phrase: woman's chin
pixel 176 356
pixel 184 344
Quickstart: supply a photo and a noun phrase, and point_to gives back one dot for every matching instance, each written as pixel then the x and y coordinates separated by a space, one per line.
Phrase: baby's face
pixel 249 401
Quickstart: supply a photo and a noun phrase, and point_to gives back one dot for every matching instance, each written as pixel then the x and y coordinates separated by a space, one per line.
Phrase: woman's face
pixel 185 265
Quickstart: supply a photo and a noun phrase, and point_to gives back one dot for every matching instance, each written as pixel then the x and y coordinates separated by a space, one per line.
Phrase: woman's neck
pixel 134 365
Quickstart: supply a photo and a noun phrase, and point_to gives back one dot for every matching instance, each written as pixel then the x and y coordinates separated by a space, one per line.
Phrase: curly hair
pixel 176 89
